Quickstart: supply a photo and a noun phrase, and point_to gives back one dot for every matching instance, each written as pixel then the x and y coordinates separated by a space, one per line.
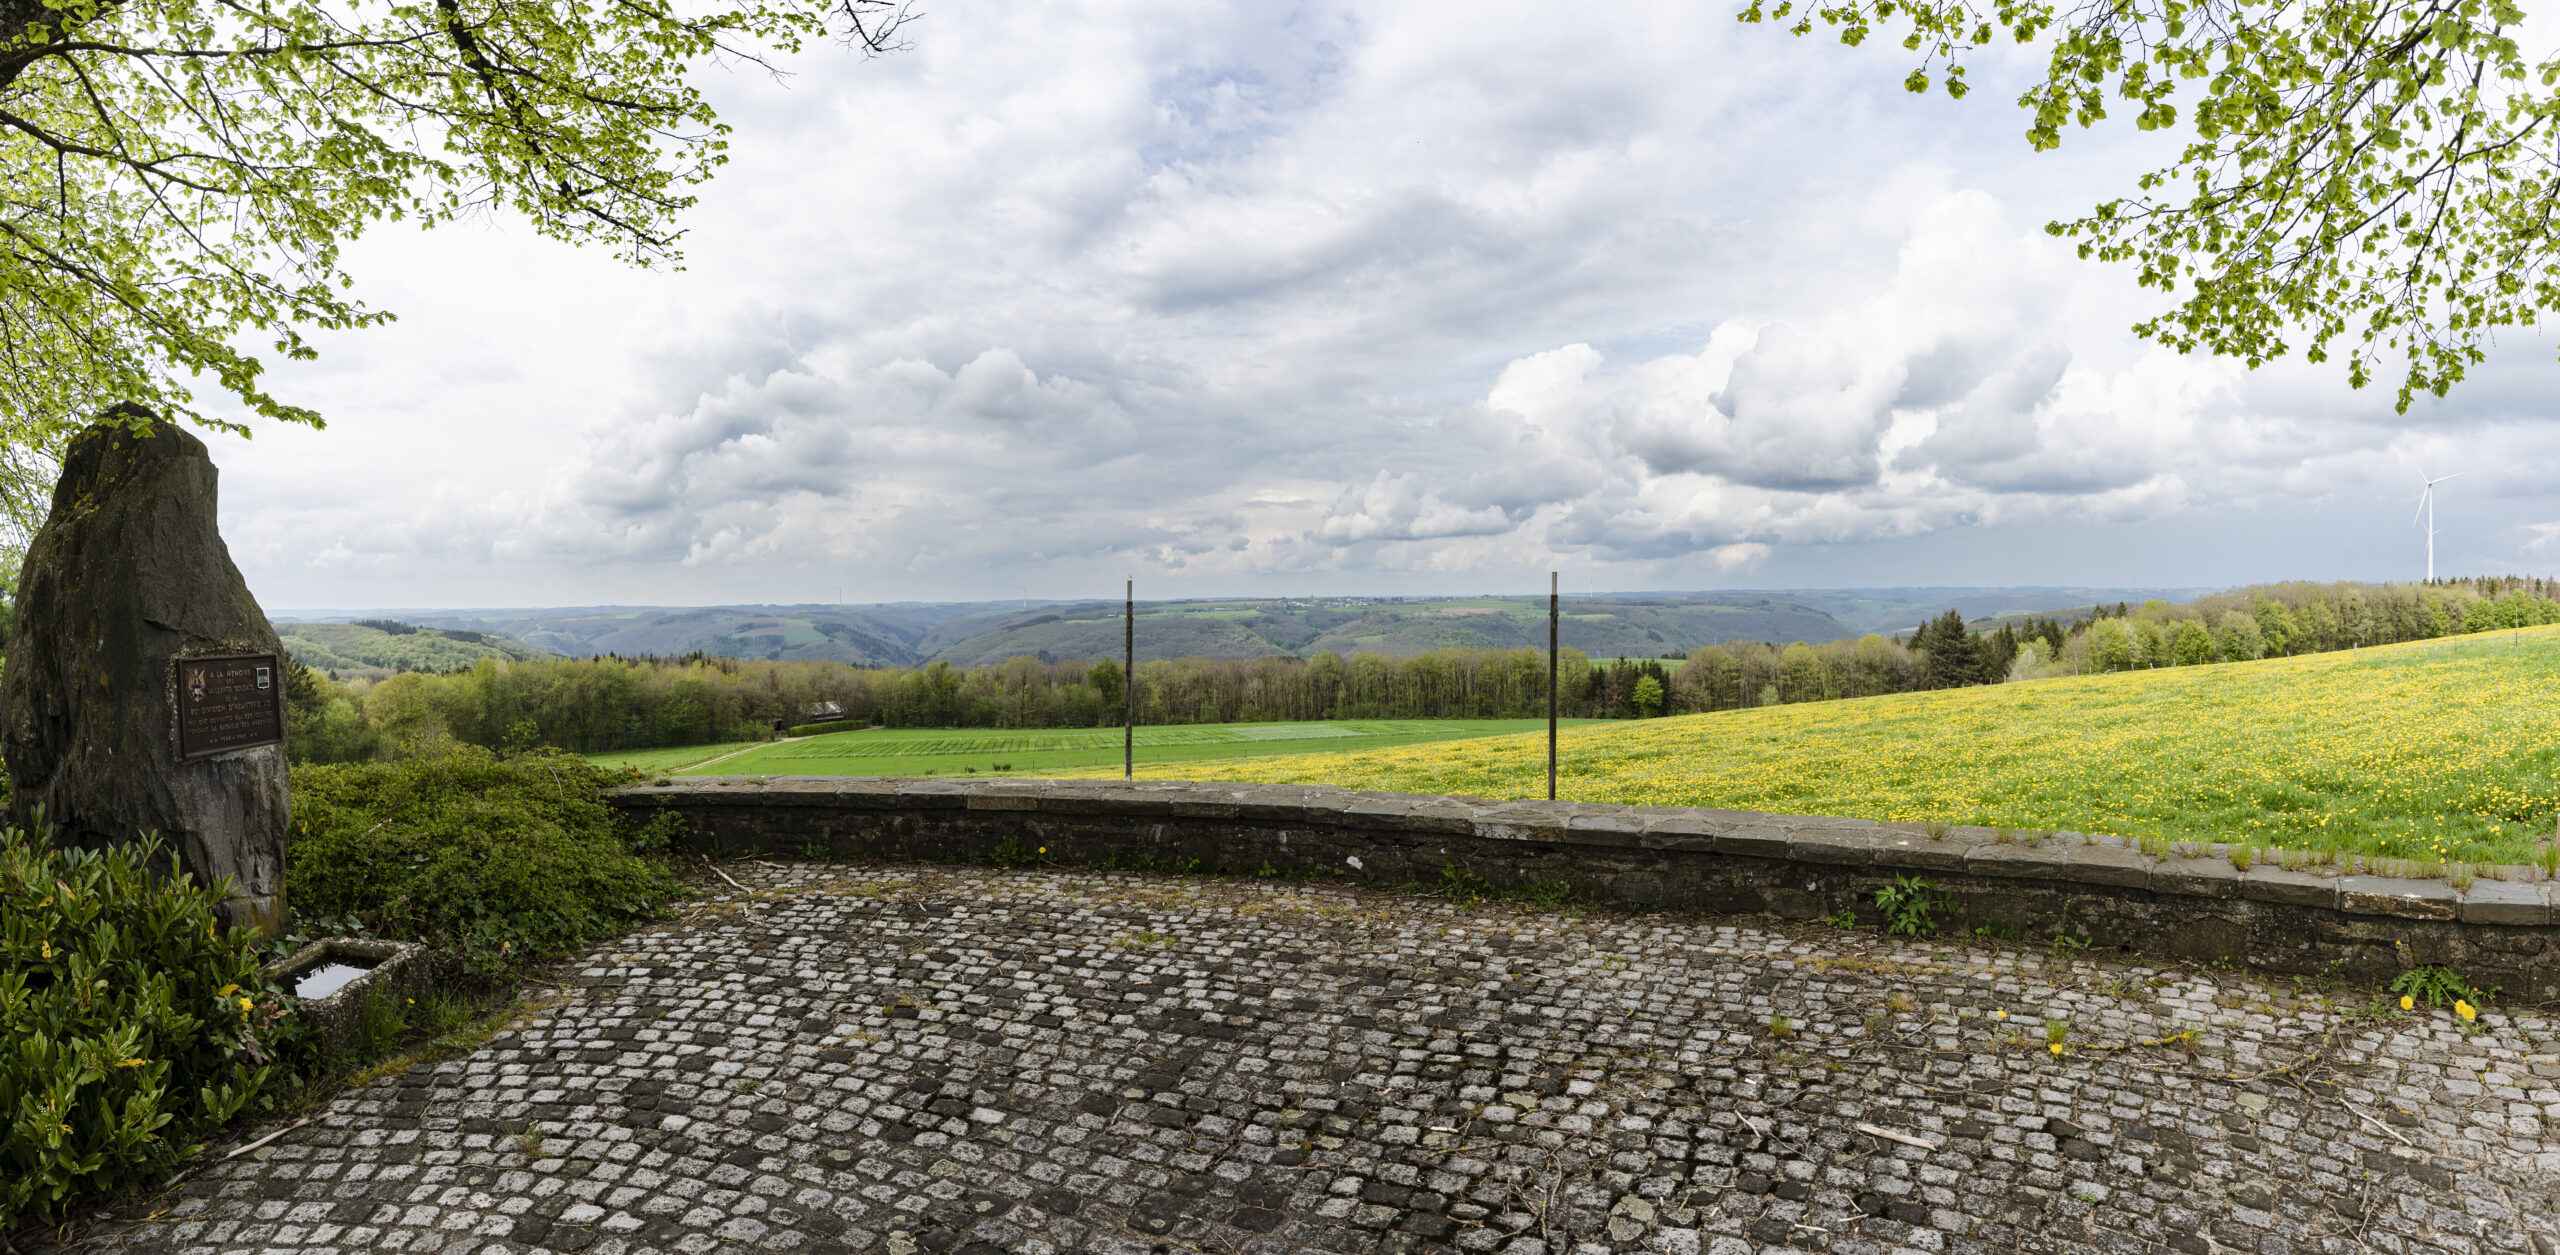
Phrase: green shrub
pixel 500 861
pixel 832 725
pixel 130 1023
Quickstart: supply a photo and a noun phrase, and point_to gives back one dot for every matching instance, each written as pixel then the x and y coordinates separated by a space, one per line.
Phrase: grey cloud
pixel 1995 420
pixel 1398 507
pixel 995 385
pixel 1250 291
pixel 1799 411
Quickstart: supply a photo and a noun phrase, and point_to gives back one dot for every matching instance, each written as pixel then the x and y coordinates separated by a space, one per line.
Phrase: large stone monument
pixel 144 686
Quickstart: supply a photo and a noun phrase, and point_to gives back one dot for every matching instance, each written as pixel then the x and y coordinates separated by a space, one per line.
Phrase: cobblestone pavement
pixel 893 1059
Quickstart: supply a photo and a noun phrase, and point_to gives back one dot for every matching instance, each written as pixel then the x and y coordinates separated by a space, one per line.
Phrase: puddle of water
pixel 326 979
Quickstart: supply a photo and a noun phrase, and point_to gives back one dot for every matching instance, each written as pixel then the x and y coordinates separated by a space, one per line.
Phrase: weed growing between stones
pixel 437 1024
pixel 1460 885
pixel 2438 986
pixel 1116 862
pixel 1550 893
pixel 529 1142
pixel 2001 930
pixel 1911 906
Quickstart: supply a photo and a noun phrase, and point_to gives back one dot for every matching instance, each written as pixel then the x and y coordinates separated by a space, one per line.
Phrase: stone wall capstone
pixel 128 574
pixel 2102 892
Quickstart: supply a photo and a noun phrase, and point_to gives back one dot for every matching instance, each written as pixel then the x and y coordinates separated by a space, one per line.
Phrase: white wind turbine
pixel 2427 509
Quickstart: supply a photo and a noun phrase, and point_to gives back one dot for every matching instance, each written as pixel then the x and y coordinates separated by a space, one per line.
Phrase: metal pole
pixel 1129 685
pixel 1554 587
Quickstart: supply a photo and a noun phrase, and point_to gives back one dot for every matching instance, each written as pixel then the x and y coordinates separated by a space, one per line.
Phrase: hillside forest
pixel 612 703
pixel 974 634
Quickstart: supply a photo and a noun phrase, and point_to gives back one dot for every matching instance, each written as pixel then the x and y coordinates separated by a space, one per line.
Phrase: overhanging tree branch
pixel 176 174
pixel 2364 164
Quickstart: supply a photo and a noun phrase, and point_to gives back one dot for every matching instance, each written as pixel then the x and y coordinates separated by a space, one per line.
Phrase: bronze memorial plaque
pixel 229 702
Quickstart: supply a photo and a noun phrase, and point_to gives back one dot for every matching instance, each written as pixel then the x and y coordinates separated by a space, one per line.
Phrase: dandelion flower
pixel 2055 1047
pixel 2465 1010
pixel 1999 1015
pixel 2408 1003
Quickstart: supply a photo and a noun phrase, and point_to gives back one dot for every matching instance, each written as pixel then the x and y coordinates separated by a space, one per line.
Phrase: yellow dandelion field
pixel 2443 749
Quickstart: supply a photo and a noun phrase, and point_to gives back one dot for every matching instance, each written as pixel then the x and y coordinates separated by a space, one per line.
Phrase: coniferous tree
pixel 1955 658
pixel 1998 650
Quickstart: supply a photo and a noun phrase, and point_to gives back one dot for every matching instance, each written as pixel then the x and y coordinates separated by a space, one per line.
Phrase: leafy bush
pixel 500 861
pixel 832 725
pixel 130 1022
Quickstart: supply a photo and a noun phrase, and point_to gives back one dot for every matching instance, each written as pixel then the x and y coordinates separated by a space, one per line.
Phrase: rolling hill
pixel 388 645
pixel 967 634
pixel 865 636
pixel 2435 751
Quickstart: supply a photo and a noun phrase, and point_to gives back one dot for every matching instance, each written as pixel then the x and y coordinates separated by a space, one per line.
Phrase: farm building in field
pixel 812 712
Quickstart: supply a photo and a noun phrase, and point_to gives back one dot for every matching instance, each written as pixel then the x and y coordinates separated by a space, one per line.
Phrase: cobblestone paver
pixel 898 1059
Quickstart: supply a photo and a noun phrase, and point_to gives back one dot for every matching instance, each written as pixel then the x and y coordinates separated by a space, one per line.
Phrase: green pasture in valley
pixel 1038 751
pixel 676 759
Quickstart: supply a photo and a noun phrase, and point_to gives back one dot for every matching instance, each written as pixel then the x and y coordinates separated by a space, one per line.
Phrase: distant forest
pixel 611 703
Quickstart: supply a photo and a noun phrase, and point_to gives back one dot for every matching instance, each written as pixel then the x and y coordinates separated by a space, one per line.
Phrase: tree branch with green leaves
pixel 2373 177
pixel 178 178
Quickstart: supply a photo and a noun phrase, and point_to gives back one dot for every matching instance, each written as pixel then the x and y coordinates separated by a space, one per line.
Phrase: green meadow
pixel 2436 752
pixel 1039 751
pixel 675 759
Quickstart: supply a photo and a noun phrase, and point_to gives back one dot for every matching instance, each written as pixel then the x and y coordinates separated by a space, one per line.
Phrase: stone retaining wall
pixel 2101 890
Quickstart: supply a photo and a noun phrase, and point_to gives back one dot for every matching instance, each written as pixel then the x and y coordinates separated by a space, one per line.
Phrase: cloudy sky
pixel 1425 297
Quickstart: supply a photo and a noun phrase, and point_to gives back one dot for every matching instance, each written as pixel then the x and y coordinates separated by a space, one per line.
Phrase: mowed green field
pixel 664 760
pixel 2433 751
pixel 1042 751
